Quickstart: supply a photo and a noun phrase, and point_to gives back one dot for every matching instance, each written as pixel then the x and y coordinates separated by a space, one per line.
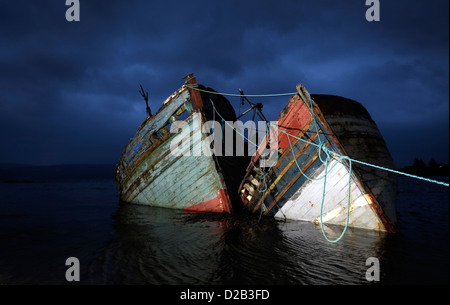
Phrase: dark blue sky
pixel 69 90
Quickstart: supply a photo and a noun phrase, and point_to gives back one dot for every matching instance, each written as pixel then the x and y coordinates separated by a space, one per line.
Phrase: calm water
pixel 44 222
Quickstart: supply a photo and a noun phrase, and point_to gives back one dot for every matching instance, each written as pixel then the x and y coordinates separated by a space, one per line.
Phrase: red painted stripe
pixel 196 98
pixel 293 120
pixel 220 204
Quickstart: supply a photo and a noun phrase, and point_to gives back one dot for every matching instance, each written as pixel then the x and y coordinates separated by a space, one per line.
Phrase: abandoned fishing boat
pixel 318 136
pixel 150 172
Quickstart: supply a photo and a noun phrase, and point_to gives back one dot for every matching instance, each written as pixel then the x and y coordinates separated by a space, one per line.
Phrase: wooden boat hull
pixel 346 129
pixel 149 171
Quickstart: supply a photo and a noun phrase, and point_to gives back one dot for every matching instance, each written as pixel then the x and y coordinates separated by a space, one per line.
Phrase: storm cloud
pixel 69 90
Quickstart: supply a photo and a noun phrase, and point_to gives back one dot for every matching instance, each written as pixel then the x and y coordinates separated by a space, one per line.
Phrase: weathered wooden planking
pixel 150 172
pixel 306 202
pixel 292 121
pixel 142 141
pixel 166 180
pixel 292 178
pixel 362 140
pixel 288 193
pixel 232 168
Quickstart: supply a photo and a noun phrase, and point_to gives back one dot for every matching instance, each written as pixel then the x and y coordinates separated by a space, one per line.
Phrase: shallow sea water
pixel 44 223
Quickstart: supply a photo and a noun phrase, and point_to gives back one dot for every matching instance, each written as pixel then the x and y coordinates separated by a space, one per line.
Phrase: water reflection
pixel 164 246
pixel 42 224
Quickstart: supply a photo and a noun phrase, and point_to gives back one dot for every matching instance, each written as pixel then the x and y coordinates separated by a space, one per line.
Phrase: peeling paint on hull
pixel 347 129
pixel 149 173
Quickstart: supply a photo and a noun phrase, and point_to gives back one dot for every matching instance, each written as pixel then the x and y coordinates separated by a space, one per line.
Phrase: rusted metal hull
pixel 150 173
pixel 345 128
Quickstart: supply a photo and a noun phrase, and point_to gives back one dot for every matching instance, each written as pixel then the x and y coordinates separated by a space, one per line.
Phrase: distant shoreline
pixel 15 173
pixel 427 171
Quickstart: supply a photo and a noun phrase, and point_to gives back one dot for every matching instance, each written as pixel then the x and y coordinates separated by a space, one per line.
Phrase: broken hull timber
pixel 346 128
pixel 149 173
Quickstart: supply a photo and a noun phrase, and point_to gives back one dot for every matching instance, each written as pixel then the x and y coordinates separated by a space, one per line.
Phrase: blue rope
pixel 321 148
pixel 324 177
pixel 400 173
pixel 369 164
pixel 312 143
pixel 240 95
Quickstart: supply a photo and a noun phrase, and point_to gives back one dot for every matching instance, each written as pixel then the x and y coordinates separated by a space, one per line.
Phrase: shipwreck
pixel 315 178
pixel 150 173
